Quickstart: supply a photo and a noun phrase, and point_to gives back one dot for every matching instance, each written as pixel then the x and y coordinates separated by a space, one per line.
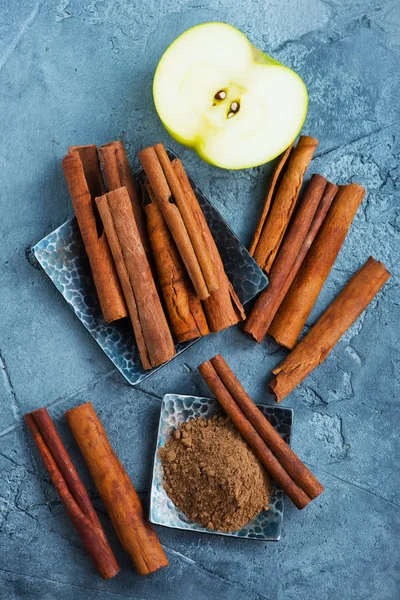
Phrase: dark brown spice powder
pixel 211 474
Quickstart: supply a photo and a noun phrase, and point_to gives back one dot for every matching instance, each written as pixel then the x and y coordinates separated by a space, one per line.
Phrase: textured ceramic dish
pixel 176 409
pixel 62 256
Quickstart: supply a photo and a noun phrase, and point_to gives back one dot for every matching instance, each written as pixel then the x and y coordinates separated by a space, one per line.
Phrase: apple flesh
pixel 234 105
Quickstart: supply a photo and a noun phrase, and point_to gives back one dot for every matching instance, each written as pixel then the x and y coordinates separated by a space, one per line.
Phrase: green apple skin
pixel 259 57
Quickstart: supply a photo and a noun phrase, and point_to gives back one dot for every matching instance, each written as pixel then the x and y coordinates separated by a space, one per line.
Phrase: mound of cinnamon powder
pixel 212 476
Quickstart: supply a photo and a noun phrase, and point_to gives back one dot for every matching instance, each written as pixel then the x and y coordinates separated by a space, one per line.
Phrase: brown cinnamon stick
pixel 283 452
pixel 320 340
pixel 82 173
pixel 276 175
pixel 72 492
pixel 268 302
pixel 256 443
pixel 150 326
pixel 117 174
pixel 283 202
pixel 318 219
pixel 223 308
pixel 195 234
pixel 172 215
pixel 300 299
pixel 116 490
pixel 184 309
pixel 91 167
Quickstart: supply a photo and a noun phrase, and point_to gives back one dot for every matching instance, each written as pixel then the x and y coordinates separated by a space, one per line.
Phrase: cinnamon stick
pixel 283 452
pixel 116 490
pixel 318 219
pixel 72 492
pixel 268 302
pixel 82 173
pixel 184 308
pixel 223 308
pixel 172 215
pixel 320 340
pixel 195 234
pixel 117 174
pixel 300 299
pixel 283 202
pixel 276 176
pixel 91 167
pixel 149 323
pixel 249 433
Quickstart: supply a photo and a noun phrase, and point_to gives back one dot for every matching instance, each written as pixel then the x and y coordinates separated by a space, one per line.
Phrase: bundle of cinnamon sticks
pixel 296 242
pixel 116 490
pixel 152 255
pixel 154 258
pixel 275 455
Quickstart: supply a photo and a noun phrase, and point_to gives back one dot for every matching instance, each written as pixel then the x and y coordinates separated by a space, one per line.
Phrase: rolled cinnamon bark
pixel 82 173
pixel 276 176
pixel 303 293
pixel 72 492
pixel 172 215
pixel 256 443
pixel 116 490
pixel 283 201
pixel 268 302
pixel 283 452
pixel 320 340
pixel 149 323
pixel 195 233
pixel 91 166
pixel 184 309
pixel 223 308
pixel 318 219
pixel 117 174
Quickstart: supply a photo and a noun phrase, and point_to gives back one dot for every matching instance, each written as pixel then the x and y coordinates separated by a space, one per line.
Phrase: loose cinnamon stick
pixel 300 299
pixel 82 173
pixel 320 214
pixel 116 490
pixel 223 308
pixel 72 492
pixel 283 202
pixel 256 443
pixel 195 234
pixel 268 302
pixel 268 200
pixel 283 452
pixel 117 174
pixel 157 179
pixel 184 309
pixel 91 166
pixel 150 326
pixel 320 340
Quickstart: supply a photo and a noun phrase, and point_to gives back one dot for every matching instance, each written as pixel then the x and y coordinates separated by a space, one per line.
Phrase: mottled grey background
pixel 80 72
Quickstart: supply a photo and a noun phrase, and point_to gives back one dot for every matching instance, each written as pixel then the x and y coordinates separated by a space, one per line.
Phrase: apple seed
pixel 221 95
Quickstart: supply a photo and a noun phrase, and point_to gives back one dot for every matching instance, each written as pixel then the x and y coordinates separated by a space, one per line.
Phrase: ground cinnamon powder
pixel 211 474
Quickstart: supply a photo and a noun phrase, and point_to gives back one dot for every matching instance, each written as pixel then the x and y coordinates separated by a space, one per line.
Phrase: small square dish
pixel 62 256
pixel 176 409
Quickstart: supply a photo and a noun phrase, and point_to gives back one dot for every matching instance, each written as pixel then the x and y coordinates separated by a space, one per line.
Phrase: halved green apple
pixel 234 105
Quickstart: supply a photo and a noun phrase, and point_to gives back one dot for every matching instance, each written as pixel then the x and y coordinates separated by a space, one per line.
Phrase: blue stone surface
pixel 81 72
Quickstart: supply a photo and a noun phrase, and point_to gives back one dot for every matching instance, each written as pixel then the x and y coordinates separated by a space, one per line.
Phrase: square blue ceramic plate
pixel 176 409
pixel 62 256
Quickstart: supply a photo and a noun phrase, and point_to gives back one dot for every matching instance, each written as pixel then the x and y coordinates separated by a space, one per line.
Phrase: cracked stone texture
pixel 76 72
